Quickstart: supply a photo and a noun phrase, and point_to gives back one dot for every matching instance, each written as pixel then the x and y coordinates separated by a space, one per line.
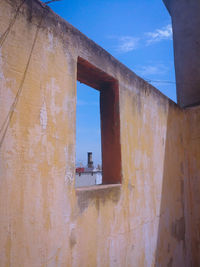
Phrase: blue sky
pixel 136 32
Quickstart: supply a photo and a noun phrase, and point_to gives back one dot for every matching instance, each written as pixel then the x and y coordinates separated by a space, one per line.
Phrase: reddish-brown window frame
pixel 110 118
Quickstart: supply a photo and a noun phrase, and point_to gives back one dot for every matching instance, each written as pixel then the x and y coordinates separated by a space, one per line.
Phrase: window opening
pixel 108 90
pixel 88 137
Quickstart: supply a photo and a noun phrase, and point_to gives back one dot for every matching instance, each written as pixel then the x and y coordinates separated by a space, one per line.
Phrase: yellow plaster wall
pixel 153 154
pixel 37 156
pixel 44 221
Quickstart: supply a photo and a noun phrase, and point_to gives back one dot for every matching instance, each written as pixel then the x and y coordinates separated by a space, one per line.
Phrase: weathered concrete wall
pixel 146 220
pixel 192 184
pixel 186 37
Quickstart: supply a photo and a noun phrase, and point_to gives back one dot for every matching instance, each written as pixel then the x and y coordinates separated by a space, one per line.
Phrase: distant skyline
pixel 136 32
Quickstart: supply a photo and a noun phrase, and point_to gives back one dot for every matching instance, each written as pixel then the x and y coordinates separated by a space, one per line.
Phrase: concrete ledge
pixel 97 196
pixel 97 187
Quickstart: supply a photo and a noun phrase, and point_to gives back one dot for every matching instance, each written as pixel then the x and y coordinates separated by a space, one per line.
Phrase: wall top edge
pixel 64 30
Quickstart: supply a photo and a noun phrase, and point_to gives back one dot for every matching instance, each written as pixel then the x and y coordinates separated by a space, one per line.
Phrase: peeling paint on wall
pixel 43 116
pixel 69 172
pixel 148 220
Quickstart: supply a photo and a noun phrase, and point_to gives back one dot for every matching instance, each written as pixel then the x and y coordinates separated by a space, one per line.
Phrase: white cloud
pixel 127 44
pixel 158 35
pixel 158 69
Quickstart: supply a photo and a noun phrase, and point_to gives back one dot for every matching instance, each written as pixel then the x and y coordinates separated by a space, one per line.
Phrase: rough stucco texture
pixel 152 219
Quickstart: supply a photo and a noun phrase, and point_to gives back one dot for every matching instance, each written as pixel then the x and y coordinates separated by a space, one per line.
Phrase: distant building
pixel 87 176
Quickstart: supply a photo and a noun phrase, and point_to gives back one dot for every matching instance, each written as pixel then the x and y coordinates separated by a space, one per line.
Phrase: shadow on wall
pixel 193 183
pixel 171 239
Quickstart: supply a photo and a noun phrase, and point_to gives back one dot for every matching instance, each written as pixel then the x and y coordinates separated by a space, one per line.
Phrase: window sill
pixel 97 194
pixel 97 187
